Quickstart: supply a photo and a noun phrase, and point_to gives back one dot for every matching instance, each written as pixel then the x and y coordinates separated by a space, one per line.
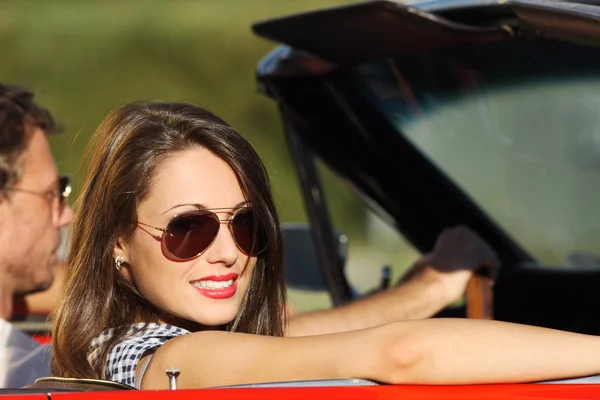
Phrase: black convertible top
pixel 353 33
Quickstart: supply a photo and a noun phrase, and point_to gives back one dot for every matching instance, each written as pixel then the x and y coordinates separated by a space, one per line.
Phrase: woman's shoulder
pixel 154 330
pixel 139 339
pixel 141 330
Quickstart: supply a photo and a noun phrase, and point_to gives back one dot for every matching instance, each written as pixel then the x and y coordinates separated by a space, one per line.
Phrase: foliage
pixel 85 58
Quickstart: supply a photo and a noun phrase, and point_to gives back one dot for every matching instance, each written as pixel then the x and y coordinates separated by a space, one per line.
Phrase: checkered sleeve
pixel 141 339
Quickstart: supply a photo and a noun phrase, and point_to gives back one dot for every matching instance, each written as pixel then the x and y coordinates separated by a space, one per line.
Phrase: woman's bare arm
pixel 437 351
pixel 224 358
pixel 463 351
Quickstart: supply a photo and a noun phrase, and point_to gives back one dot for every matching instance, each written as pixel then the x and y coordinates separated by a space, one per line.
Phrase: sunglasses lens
pixel 246 233
pixel 64 188
pixel 189 235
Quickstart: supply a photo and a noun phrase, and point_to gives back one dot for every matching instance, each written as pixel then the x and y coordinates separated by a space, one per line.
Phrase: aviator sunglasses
pixel 188 235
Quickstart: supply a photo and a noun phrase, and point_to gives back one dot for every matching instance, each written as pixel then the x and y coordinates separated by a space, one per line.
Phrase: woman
pixel 176 262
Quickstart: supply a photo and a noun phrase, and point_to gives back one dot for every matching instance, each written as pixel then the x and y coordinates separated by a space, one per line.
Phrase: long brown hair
pixel 125 151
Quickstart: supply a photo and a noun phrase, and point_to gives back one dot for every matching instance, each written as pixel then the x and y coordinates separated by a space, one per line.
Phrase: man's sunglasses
pixel 60 196
pixel 188 235
pixel 64 189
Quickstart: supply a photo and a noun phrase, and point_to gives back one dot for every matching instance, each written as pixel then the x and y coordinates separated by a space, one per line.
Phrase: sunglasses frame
pixel 62 191
pixel 163 240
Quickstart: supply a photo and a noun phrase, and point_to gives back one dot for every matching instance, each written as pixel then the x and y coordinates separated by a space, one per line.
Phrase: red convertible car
pixel 483 113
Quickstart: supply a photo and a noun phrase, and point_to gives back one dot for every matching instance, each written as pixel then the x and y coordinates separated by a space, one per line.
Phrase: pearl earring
pixel 118 262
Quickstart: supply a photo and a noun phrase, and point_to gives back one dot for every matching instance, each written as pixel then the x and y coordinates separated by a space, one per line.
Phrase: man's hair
pixel 18 113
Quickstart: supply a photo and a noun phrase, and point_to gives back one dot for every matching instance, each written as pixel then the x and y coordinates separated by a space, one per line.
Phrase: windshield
pixel 515 125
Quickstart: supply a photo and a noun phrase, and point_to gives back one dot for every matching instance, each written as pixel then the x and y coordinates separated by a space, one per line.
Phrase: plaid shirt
pixel 141 338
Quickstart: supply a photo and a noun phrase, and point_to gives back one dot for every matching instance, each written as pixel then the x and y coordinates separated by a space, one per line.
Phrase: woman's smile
pixel 217 286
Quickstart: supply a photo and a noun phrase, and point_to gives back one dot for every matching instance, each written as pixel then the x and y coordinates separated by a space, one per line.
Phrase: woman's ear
pixel 120 254
pixel 120 249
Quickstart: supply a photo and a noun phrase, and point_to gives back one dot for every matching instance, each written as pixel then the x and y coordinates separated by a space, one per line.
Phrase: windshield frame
pixel 394 178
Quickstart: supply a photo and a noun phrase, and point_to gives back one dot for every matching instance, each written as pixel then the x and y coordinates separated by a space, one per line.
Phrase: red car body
pixel 406 392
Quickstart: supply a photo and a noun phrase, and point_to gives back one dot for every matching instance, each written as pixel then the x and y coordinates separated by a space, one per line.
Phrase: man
pixel 437 280
pixel 32 212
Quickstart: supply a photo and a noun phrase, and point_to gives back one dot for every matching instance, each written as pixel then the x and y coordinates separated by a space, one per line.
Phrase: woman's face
pixel 209 288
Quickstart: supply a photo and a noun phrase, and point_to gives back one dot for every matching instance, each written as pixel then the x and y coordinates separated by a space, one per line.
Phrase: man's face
pixel 29 222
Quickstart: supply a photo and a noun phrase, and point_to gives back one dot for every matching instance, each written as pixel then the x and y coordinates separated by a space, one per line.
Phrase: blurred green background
pixel 84 58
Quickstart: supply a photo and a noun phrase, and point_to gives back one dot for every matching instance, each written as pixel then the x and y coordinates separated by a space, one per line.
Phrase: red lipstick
pixel 217 286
